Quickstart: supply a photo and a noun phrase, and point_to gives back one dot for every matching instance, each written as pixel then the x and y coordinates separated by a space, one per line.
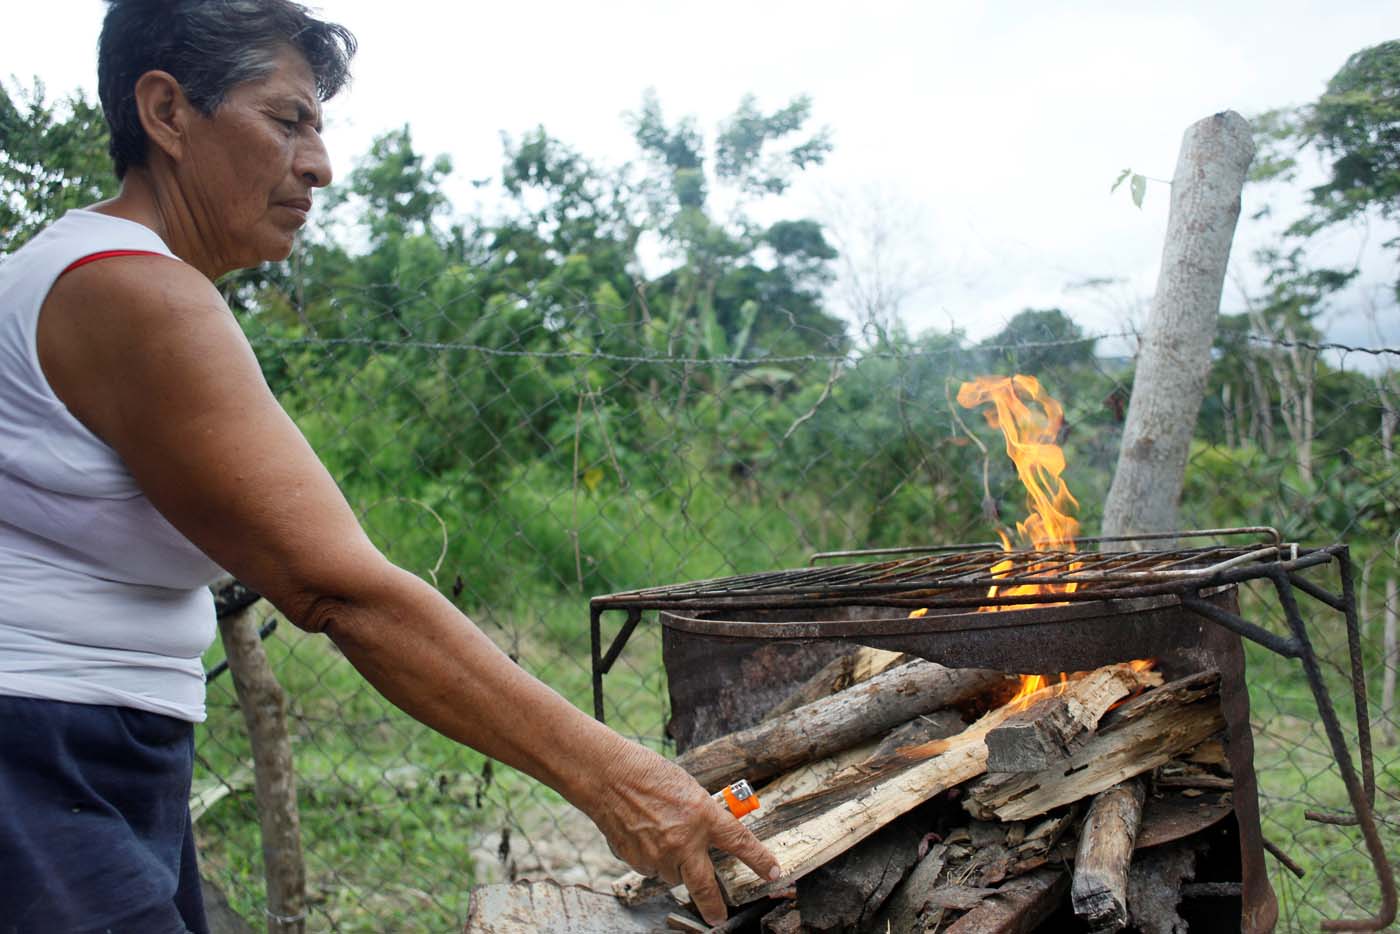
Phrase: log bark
pixel 1138 737
pixel 1174 361
pixel 264 707
pixel 833 723
pixel 1032 740
pixel 1018 907
pixel 840 673
pixel 1099 890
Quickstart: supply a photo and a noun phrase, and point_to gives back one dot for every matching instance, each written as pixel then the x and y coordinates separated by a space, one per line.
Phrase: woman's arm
pixel 145 353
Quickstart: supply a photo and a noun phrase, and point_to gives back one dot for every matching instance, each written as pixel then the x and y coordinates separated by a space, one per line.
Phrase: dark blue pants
pixel 95 829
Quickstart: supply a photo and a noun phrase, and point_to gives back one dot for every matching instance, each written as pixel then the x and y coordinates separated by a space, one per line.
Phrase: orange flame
pixel 1031 434
pixel 1030 443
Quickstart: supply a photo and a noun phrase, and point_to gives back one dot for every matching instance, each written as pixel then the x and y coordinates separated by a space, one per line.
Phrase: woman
pixel 141 451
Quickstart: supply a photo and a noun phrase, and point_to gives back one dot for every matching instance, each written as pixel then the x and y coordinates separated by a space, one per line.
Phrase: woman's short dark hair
pixel 208 46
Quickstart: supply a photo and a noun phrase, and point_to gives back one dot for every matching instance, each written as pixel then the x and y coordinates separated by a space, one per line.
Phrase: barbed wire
pixel 852 356
pixel 849 356
pixel 1323 345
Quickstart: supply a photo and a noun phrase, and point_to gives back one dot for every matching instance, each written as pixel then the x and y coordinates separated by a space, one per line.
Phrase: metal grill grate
pixel 963 575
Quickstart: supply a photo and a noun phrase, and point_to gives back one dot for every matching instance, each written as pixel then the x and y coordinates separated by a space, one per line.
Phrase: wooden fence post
pixel 264 707
pixel 1175 357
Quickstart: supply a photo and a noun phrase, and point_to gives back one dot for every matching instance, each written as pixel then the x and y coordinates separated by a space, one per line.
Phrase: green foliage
pixel 53 157
pixel 1356 124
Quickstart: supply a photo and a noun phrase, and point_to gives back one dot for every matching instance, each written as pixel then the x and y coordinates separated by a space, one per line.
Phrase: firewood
pixel 1018 907
pixel 1154 888
pixel 785 919
pixel 833 723
pixel 633 888
pixel 812 776
pixel 1099 890
pixel 959 897
pixel 1136 738
pixel 847 891
pixel 909 902
pixel 1033 739
pixel 1213 782
pixel 676 921
pixel 856 666
pixel 805 833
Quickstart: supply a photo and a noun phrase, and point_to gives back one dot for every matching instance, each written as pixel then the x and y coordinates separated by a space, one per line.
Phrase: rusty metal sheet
pixel 1173 816
pixel 545 907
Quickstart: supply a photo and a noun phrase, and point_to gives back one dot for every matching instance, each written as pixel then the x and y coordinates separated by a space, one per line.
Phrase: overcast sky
pixel 987 134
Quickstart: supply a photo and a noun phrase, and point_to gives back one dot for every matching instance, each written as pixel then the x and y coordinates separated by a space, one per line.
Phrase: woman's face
pixel 253 163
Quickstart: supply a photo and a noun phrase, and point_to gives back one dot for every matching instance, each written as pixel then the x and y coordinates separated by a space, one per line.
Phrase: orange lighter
pixel 739 798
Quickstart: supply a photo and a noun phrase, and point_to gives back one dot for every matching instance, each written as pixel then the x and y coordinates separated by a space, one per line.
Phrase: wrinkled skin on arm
pixel 145 353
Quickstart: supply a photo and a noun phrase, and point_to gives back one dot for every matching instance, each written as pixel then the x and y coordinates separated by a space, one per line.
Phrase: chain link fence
pixel 524 460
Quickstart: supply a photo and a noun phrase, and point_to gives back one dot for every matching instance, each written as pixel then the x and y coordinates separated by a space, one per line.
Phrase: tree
pixel 1354 126
pixel 53 157
pixel 740 289
pixel 1037 341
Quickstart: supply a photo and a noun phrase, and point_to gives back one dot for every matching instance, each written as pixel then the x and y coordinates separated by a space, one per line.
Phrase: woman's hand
pixel 661 822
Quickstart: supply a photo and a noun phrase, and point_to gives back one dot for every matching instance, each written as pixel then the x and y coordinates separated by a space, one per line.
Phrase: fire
pixel 1031 421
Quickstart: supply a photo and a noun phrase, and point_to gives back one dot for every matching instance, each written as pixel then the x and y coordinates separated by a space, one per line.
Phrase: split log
pixel 806 833
pixel 908 904
pixel 1018 907
pixel 1032 740
pixel 1138 737
pixel 1099 890
pixel 834 723
pixel 846 892
pixel 838 674
pixel 811 777
pixel 676 921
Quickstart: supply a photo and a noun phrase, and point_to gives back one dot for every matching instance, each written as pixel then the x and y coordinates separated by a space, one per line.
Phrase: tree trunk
pixel 264 707
pixel 1175 358
pixel 1227 416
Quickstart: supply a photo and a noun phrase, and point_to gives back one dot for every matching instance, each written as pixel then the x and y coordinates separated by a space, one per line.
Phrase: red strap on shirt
pixel 105 254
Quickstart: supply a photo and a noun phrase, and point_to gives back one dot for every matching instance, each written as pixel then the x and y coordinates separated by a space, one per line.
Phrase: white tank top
pixel 102 601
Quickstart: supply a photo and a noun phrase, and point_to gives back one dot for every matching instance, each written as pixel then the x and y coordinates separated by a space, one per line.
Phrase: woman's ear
pixel 164 111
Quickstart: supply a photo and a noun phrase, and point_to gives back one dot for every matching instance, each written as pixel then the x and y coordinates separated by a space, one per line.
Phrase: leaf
pixel 1139 188
pixel 1119 180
